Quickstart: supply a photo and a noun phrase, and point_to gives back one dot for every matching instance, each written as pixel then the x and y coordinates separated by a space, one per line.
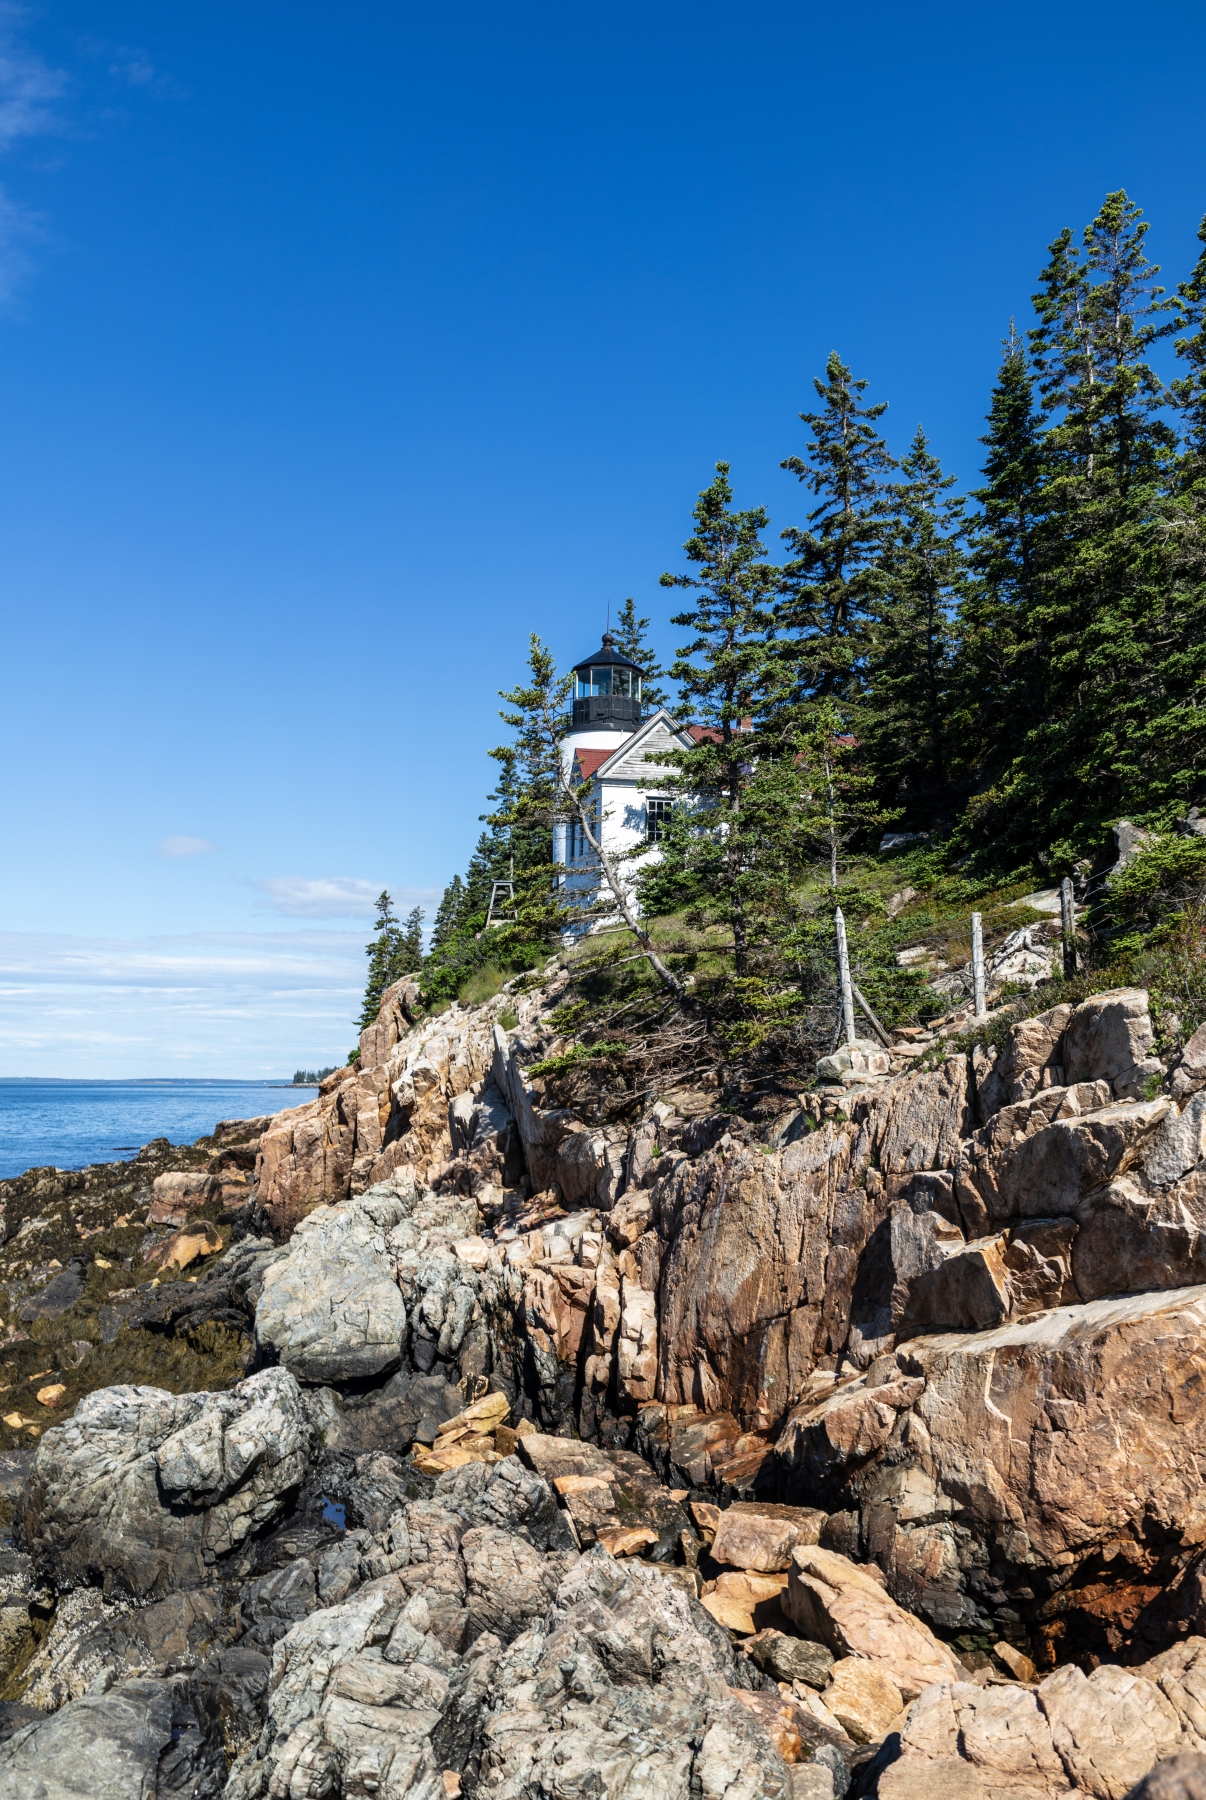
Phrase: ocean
pixel 73 1123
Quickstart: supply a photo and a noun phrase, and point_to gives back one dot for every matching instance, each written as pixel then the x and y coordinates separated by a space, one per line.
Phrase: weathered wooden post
pixel 843 953
pixel 1067 908
pixel 978 963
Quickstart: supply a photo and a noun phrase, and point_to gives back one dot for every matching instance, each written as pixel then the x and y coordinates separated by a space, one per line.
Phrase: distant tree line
pixel 1002 673
pixel 312 1077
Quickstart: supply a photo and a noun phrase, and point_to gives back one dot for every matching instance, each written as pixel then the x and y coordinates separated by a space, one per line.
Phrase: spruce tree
pixel 996 686
pixel 1179 727
pixel 410 958
pixel 905 713
pixel 740 778
pixel 1101 584
pixel 831 581
pixel 450 913
pixel 383 954
pixel 631 642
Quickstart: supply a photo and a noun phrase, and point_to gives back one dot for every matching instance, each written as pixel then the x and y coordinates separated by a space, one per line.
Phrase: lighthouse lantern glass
pixel 607 681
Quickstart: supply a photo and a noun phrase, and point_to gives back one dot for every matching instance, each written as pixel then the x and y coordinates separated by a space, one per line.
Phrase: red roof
pixel 708 734
pixel 590 760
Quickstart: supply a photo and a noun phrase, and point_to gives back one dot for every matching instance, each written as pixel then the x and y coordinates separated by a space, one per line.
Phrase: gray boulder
pixel 141 1491
pixel 356 1692
pixel 1190 1072
pixel 619 1691
pixel 330 1310
pixel 103 1747
pixel 1176 1778
pixel 510 1585
pixel 510 1497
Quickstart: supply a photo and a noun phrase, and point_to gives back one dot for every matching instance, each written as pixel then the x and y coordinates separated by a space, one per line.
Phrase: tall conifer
pixel 740 776
pixel 997 692
pixel 904 718
pixel 832 578
pixel 1179 728
pixel 1100 588
pixel 631 641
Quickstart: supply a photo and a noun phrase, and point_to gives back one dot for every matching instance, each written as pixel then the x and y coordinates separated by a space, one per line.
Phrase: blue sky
pixel 343 346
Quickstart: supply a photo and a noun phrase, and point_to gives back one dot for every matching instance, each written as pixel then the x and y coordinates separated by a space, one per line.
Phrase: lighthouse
pixel 613 745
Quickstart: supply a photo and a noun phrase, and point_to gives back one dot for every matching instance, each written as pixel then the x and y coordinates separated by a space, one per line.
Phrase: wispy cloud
pixel 337 897
pixel 186 846
pixel 28 86
pixel 29 92
pixel 207 1003
pixel 134 67
pixel 328 897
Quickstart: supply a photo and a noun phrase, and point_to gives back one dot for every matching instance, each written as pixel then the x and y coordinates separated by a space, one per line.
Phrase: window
pixel 607 681
pixel 576 846
pixel 657 818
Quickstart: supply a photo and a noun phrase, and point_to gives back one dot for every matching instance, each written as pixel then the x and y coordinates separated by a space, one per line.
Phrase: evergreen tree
pixel 1100 587
pixel 839 790
pixel 450 913
pixel 630 641
pixel 1179 727
pixel 384 953
pixel 997 691
pixel 832 579
pixel 904 717
pixel 740 778
pixel 410 958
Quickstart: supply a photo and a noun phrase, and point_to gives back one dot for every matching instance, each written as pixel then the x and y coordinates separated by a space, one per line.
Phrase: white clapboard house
pixel 614 746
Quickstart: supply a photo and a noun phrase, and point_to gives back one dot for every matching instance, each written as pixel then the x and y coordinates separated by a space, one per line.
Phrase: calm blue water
pixel 74 1123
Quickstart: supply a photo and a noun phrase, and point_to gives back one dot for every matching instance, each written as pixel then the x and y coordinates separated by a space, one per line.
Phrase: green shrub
pixel 574 1057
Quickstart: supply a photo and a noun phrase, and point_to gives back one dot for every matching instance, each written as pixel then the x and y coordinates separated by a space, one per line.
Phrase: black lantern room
pixel 607 689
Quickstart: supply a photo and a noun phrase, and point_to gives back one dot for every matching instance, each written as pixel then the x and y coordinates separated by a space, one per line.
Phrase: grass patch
pixel 482 985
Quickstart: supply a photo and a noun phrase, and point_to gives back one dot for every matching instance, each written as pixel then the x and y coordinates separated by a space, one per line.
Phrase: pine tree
pixel 997 690
pixel 740 778
pixel 905 713
pixel 1101 584
pixel 831 581
pixel 630 641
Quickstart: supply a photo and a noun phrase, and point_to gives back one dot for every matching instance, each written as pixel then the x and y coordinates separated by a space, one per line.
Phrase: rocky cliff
pixel 859 1452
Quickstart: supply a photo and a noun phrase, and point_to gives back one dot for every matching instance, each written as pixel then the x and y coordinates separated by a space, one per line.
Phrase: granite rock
pixel 140 1491
pixel 331 1310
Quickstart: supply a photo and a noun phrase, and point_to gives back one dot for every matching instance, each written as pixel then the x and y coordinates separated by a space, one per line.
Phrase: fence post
pixel 1067 910
pixel 843 954
pixel 977 922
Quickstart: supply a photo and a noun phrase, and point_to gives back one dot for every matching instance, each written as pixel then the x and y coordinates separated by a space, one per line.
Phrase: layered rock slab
pixel 1072 1734
pixel 1032 1446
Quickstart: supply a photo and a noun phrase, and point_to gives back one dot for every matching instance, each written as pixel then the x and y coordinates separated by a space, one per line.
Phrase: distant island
pixel 311 1077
